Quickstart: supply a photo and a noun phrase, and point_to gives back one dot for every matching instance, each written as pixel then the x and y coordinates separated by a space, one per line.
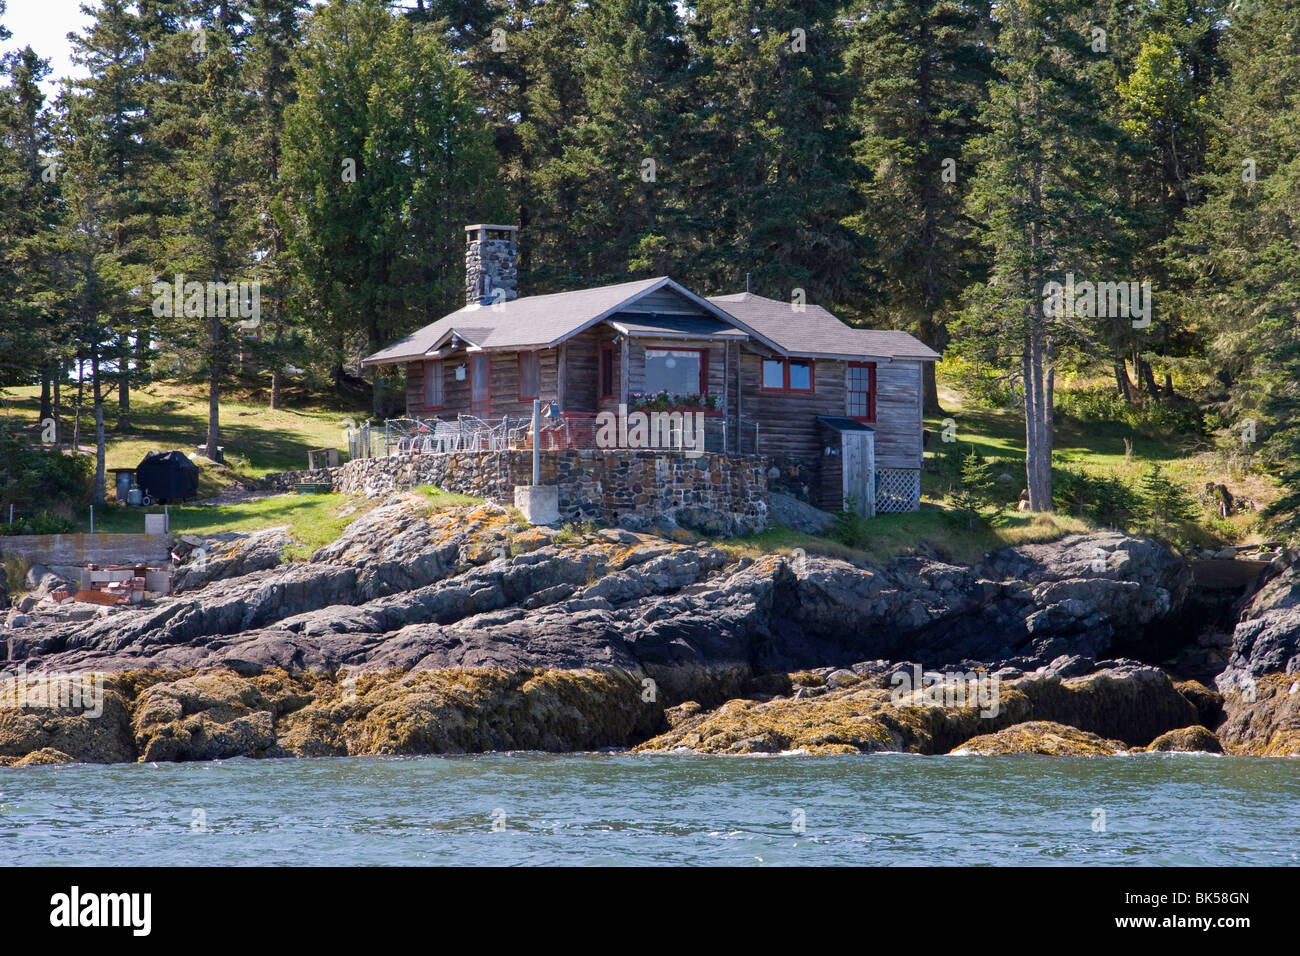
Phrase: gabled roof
pixel 816 333
pixel 539 321
pixel 544 321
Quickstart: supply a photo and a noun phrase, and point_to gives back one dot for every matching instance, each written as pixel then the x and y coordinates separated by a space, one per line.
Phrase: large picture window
pixel 860 391
pixel 676 371
pixel 787 375
pixel 433 384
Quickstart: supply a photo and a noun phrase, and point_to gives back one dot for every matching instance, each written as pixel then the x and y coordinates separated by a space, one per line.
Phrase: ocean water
pixel 617 808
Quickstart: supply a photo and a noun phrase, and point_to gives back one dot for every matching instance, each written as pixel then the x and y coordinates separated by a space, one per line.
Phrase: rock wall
pixel 594 484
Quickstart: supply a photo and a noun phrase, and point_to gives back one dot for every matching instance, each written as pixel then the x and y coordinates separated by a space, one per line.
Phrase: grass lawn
pixel 311 520
pixel 1099 448
pixel 168 415
pixel 932 530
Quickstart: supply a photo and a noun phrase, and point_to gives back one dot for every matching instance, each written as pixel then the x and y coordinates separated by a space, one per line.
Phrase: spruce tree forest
pixel 936 166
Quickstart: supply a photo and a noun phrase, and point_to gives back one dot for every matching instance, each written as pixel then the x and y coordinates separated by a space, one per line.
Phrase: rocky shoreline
pixel 424 631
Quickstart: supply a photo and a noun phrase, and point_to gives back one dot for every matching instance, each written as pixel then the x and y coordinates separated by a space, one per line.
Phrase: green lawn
pixel 311 520
pixel 1099 448
pixel 167 415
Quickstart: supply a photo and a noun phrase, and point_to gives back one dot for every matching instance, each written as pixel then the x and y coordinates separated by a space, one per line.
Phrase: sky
pixel 44 25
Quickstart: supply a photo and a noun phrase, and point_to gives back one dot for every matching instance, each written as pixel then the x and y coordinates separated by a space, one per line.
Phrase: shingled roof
pixel 816 333
pixel 544 321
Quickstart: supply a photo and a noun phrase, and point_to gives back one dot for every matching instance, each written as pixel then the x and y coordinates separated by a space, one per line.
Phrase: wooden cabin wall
pixel 504 370
pixel 581 367
pixel 788 421
pixel 898 415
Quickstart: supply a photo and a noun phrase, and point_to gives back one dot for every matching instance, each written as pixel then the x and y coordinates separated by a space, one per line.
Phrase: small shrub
pixel 850 529
pixel 975 493
pixel 1165 504
pixel 806 679
pixel 16 567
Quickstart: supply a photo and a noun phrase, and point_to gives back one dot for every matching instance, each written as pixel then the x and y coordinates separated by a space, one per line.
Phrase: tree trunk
pixel 98 493
pixel 123 384
pixel 46 408
pixel 275 389
pixel 935 335
pixel 213 441
pixel 81 388
pixel 1147 378
pixel 57 411
pixel 1122 382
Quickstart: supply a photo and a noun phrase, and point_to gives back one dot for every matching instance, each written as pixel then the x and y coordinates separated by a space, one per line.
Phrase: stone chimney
pixel 490 256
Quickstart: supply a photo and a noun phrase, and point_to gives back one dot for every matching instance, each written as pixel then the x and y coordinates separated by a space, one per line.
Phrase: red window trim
pixel 785 388
pixel 606 362
pixel 704 363
pixel 871 392
pixel 519 375
pixel 424 385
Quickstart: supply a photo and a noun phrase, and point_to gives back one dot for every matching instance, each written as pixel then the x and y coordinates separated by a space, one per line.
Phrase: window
pixel 607 371
pixel 773 374
pixel 787 375
pixel 530 376
pixel 799 375
pixel 433 385
pixel 676 371
pixel 860 390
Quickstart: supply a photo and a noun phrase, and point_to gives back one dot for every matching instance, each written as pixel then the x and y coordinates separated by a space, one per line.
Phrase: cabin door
pixel 858 460
pixel 480 384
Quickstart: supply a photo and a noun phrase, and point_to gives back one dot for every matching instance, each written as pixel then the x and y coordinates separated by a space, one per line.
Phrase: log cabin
pixel 838 407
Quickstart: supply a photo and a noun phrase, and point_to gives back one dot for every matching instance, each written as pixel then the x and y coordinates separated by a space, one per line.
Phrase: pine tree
pixel 209 233
pixel 29 331
pixel 1238 252
pixel 274 32
pixel 920 68
pixel 976 491
pixel 769 161
pixel 1046 208
pixel 111 101
pixel 1164 503
pixel 614 197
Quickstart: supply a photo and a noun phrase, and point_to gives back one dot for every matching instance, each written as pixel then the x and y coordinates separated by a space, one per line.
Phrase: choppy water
pixel 623 809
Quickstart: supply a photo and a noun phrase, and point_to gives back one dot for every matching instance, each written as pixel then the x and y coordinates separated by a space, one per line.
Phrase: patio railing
pixel 407 436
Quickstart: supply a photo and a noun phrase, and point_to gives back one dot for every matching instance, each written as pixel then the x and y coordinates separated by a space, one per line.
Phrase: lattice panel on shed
pixel 898 489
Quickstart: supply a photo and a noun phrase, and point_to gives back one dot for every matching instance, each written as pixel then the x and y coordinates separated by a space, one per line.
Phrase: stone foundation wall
pixel 722 493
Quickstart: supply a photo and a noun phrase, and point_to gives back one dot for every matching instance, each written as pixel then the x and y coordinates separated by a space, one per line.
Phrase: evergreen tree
pixel 29 333
pixel 613 200
pixel 1164 503
pixel 274 32
pixel 111 104
pixel 1237 252
pixel 385 160
pixel 1045 204
pixel 976 491
pixel 920 68
pixel 769 165
pixel 210 232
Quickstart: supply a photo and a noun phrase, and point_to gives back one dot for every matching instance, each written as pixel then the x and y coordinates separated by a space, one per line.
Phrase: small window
pixel 607 372
pixel 773 374
pixel 801 375
pixel 433 385
pixel 788 375
pixel 860 391
pixel 530 376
